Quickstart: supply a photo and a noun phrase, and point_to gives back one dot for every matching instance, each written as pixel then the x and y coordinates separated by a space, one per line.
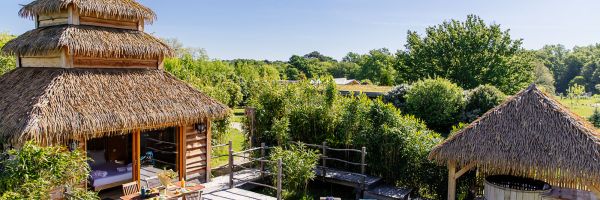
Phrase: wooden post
pixel 208 149
pixel 451 180
pixel 363 153
pixel 136 165
pixel 230 165
pixel 324 172
pixel 181 152
pixel 279 178
pixel 262 157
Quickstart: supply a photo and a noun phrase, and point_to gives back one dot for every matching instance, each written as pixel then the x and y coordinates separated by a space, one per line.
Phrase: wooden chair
pixel 130 188
pixel 193 196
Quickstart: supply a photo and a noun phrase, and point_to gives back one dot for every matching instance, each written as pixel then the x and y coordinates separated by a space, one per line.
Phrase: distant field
pixel 364 88
pixel 582 107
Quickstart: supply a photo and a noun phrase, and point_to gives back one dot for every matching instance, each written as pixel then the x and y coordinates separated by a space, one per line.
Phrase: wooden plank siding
pixel 52 19
pixel 111 23
pixel 49 61
pixel 196 153
pixel 88 62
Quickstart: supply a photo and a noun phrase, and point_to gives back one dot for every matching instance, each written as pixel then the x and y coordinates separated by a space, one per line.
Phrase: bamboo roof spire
pixel 531 135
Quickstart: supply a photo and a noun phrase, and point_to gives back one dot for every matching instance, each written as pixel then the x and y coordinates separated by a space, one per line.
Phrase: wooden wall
pixel 63 60
pixel 112 23
pixel 197 153
pixel 72 16
pixel 52 19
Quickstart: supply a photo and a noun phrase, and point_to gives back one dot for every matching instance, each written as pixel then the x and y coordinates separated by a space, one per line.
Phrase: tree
pixel 469 53
pixel 438 102
pixel 7 63
pixel 298 167
pixel 554 57
pixel 575 91
pixel 377 66
pixel 319 56
pixel 595 118
pixel 481 99
pixel 32 172
pixel 544 78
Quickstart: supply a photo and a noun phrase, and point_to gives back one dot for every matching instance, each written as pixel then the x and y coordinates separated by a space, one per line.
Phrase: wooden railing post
pixel 262 157
pixel 279 178
pixel 324 173
pixel 324 151
pixel 230 165
pixel 363 153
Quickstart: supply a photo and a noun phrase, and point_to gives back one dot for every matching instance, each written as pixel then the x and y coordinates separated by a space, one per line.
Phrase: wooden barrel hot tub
pixel 504 187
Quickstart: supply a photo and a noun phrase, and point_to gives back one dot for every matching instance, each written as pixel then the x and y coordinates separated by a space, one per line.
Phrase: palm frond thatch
pixel 88 41
pixel 121 9
pixel 530 135
pixel 51 106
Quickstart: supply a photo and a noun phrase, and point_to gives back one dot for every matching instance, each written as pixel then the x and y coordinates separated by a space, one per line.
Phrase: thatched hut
pixel 529 135
pixel 89 77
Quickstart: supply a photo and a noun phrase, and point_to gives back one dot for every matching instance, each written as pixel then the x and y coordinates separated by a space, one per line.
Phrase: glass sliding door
pixel 158 151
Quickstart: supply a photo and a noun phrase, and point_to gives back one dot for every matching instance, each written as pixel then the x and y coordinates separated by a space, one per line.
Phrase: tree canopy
pixel 469 53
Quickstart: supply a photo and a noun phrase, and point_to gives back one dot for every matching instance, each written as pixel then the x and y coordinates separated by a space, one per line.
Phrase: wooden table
pixel 190 189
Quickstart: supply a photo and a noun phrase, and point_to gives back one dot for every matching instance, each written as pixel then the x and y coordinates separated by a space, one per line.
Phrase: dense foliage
pixel 397 144
pixel 438 102
pixel 32 172
pixel 396 96
pixel 469 53
pixel 481 99
pixel 6 62
pixel 595 118
pixel 298 167
pixel 569 66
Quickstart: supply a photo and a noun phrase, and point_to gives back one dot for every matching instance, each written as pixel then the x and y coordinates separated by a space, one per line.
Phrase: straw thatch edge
pixel 549 174
pixel 120 9
pixel 88 41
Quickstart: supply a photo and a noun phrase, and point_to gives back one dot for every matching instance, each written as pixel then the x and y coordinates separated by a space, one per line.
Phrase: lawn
pixel 583 107
pixel 238 139
pixel 364 88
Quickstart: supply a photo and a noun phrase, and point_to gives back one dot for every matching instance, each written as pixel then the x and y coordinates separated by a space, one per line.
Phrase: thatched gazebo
pixel 529 135
pixel 88 76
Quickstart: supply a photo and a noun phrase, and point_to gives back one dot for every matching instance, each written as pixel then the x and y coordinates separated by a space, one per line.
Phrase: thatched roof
pixel 121 9
pixel 53 105
pixel 88 41
pixel 530 135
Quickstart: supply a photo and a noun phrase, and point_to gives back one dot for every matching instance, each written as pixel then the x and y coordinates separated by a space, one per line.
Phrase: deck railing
pixel 247 155
pixel 324 157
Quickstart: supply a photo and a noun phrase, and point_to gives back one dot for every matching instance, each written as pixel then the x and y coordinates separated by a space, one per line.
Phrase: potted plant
pixel 165 176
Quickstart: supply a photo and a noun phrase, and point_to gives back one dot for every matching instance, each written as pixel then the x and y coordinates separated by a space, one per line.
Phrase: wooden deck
pixel 387 192
pixel 236 194
pixel 218 187
pixel 222 182
pixel 346 178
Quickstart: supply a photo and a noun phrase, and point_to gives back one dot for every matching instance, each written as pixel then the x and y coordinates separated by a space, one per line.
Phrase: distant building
pixel 344 81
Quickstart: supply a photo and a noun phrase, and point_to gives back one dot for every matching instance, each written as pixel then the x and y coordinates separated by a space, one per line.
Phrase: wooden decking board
pixel 218 187
pixel 237 194
pixel 346 178
pixel 388 192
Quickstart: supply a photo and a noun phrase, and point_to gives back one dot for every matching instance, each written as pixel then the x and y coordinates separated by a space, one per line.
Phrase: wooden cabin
pixel 529 136
pixel 89 77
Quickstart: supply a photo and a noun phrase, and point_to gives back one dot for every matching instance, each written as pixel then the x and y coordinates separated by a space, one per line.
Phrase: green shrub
pixel 396 96
pixel 481 99
pixel 438 102
pixel 297 169
pixel 31 172
pixel 595 118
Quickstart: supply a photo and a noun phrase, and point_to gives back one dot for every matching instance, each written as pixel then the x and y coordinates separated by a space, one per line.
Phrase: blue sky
pixel 276 29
